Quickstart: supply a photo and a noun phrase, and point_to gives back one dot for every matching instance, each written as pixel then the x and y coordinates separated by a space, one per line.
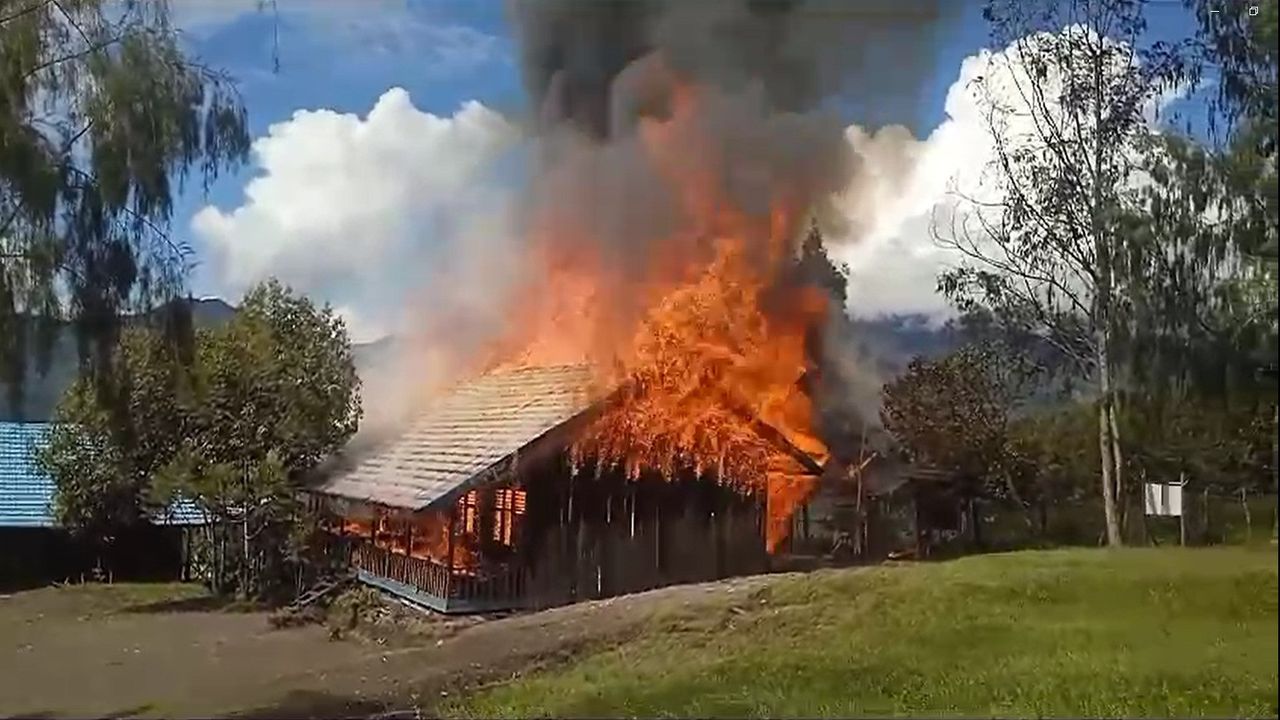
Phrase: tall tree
pixel 100 113
pixel 274 391
pixel 1240 42
pixel 264 398
pixel 1201 281
pixel 101 468
pixel 1065 107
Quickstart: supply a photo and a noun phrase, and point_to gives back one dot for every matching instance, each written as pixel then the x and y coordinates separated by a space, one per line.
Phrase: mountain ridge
pixel 887 342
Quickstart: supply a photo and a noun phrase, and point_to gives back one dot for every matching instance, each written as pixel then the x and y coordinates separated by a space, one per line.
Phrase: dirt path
pixel 58 660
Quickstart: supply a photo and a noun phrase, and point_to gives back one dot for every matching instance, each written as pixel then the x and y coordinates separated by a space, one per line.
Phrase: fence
pixel 1211 519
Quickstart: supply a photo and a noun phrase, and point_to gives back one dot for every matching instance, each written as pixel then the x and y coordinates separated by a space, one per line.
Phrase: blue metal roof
pixel 26 491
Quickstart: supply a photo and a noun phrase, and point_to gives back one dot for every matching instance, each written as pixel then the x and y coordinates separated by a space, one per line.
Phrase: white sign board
pixel 1162 499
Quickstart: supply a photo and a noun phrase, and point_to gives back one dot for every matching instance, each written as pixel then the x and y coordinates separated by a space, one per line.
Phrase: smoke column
pixel 778 83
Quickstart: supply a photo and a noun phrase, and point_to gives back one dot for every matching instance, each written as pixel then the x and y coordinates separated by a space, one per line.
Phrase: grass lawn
pixel 1137 632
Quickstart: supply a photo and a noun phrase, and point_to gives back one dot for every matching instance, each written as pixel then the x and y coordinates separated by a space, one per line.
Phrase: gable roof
pixel 26 491
pixel 464 436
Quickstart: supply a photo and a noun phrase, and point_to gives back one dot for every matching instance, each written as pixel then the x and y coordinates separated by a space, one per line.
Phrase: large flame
pixel 703 337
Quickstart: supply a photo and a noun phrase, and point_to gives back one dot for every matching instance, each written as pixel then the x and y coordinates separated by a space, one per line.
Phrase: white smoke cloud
pixel 360 211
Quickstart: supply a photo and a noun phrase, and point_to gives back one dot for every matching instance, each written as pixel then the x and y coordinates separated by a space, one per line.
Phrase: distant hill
pixel 888 343
pixel 43 390
pixel 891 341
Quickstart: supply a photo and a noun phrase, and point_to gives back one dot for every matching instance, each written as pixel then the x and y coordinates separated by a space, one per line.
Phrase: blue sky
pixel 344 55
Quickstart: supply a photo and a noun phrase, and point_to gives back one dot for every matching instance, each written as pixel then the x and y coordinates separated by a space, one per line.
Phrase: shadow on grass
pixel 131 712
pixel 203 603
pixel 311 704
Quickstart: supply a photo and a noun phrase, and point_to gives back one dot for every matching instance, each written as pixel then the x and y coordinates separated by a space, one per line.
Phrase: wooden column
pixel 632 497
pixel 453 513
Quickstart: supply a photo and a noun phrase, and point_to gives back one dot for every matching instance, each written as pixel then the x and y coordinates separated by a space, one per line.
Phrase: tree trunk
pixel 244 555
pixel 244 534
pixel 220 549
pixel 1024 508
pixel 1104 447
pixel 1275 473
pixel 1117 458
pixel 1102 317
pixel 975 522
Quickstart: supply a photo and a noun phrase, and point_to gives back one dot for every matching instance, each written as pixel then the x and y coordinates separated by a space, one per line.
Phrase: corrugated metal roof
pixel 26 491
pixel 463 435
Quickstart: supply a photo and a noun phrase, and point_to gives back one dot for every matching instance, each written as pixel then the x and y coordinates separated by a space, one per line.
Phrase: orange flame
pixel 702 337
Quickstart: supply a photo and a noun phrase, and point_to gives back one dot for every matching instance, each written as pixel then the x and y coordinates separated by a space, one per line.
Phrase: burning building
pixel 652 409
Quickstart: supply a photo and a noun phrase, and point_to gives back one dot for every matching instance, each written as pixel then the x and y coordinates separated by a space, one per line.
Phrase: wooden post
pixel 453 513
pixel 1204 512
pixel 657 534
pixel 859 519
pixel 919 533
pixel 186 553
pixel 1182 515
pixel 1248 519
pixel 632 493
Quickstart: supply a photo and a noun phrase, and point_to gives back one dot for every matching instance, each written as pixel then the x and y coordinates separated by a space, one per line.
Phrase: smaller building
pixel 34 550
pixel 876 508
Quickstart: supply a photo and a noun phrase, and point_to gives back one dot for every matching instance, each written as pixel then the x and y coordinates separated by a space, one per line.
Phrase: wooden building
pixel 877 508
pixel 477 507
pixel 35 551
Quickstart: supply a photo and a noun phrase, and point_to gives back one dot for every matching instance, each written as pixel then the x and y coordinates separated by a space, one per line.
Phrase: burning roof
pixel 480 426
pixel 464 437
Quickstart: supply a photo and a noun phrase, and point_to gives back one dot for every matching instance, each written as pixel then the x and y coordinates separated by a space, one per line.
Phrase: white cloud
pixel 361 211
pixel 904 183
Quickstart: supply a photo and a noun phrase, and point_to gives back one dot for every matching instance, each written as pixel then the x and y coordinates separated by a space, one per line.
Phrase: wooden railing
pixel 484 588
pixel 497 585
pixel 426 575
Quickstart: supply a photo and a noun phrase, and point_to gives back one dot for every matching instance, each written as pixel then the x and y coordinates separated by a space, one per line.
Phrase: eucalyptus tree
pixel 1066 108
pixel 103 117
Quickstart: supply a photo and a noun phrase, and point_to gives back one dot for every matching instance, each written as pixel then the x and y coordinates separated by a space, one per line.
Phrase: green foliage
pixel 949 412
pixel 100 112
pixel 1222 448
pixel 96 495
pixel 1060 446
pixel 1242 47
pixel 102 458
pixel 265 397
pixel 353 608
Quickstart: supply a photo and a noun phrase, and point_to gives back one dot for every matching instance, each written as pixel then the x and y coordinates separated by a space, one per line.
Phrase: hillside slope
pixel 1143 632
pixel 43 390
